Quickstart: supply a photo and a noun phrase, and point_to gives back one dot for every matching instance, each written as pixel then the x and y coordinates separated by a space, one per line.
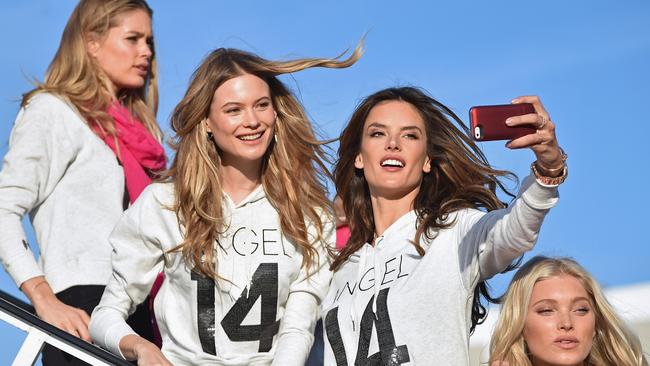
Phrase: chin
pixel 133 84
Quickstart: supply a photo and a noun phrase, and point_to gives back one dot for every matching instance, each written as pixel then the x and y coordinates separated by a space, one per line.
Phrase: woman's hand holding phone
pixel 525 123
pixel 544 141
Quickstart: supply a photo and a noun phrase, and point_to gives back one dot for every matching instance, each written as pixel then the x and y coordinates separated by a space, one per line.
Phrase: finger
pixel 526 141
pixel 84 317
pixel 82 331
pixel 535 101
pixel 532 119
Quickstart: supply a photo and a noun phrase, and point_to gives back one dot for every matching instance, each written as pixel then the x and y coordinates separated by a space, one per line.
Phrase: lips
pixel 251 137
pixel 392 162
pixel 143 69
pixel 566 342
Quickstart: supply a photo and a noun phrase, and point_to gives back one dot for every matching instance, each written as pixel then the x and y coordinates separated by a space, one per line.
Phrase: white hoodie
pixel 266 313
pixel 387 305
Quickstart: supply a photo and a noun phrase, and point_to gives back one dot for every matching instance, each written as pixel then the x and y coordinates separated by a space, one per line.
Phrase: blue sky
pixel 588 60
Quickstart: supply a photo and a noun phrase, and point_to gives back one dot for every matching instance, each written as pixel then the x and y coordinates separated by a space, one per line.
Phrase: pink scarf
pixel 139 153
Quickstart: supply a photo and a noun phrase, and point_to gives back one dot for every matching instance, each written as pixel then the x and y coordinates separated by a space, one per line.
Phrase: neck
pixel 386 209
pixel 239 181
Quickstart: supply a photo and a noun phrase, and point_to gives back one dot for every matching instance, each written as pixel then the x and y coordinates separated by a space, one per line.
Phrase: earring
pixel 275 137
pixel 210 136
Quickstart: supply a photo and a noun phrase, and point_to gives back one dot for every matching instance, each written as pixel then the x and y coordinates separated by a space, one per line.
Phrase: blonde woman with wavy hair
pixel 84 145
pixel 555 313
pixel 243 220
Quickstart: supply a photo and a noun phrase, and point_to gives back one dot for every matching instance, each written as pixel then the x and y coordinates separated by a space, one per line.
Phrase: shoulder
pixel 47 102
pixel 51 111
pixel 462 220
pixel 155 205
pixel 157 194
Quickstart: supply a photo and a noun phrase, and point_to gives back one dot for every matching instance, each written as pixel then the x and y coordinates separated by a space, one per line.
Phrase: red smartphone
pixel 488 122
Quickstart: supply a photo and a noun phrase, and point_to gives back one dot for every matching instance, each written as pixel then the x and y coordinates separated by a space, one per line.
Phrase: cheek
pixel 534 331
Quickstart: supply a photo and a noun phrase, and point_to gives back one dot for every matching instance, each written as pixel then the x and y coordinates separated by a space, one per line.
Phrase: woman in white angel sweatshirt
pixel 241 230
pixel 426 229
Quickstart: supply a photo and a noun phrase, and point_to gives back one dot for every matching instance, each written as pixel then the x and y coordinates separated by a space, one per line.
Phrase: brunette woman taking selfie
pixel 426 228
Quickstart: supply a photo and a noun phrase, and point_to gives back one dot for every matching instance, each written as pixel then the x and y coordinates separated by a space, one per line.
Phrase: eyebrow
pixel 574 300
pixel 238 103
pixel 405 128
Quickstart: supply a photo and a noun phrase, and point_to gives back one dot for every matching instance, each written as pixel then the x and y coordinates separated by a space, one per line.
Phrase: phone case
pixel 488 122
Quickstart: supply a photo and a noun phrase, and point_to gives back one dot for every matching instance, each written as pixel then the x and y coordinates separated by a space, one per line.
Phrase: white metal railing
pixel 21 315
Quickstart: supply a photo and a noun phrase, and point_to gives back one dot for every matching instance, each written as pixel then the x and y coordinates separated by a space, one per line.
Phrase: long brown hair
pixel 614 343
pixel 460 177
pixel 293 171
pixel 74 75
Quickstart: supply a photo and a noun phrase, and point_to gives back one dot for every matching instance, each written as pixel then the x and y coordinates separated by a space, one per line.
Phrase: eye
pixel 412 136
pixel 263 105
pixel 132 39
pixel 583 310
pixel 233 110
pixel 544 311
pixel 376 133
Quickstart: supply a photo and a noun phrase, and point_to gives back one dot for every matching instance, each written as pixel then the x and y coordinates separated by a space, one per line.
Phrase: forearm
pixel 296 334
pixel 38 291
pixel 131 344
pixel 510 233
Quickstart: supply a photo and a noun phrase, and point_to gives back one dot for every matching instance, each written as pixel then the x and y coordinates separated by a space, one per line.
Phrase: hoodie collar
pixel 256 195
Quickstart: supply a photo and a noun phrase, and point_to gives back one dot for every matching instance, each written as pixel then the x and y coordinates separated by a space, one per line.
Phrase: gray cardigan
pixel 71 184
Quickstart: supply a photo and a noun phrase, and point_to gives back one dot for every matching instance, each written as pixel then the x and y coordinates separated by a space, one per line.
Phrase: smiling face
pixel 125 52
pixel 393 150
pixel 242 121
pixel 560 324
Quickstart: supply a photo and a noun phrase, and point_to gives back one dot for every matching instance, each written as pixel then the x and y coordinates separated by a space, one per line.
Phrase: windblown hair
pixel 75 76
pixel 293 170
pixel 460 177
pixel 613 344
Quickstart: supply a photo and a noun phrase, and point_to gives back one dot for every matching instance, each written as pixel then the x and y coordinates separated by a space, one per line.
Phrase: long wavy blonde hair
pixel 74 75
pixel 293 170
pixel 614 343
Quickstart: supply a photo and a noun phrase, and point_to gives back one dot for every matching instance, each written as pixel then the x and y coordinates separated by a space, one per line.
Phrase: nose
pixel 147 50
pixel 565 322
pixel 251 120
pixel 393 143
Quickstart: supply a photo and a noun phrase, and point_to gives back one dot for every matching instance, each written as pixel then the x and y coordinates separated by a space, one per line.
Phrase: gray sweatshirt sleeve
pixel 137 259
pixel 40 151
pixel 302 310
pixel 491 241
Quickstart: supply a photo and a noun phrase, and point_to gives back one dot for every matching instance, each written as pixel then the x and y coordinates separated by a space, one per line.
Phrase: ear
pixel 426 168
pixel 358 162
pixel 92 44
pixel 206 124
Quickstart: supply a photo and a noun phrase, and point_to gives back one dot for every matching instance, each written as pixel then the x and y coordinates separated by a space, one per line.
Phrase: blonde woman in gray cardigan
pixel 62 168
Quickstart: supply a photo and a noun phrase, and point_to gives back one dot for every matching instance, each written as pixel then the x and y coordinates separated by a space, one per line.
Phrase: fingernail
pixel 508 121
pixel 514 100
pixel 508 144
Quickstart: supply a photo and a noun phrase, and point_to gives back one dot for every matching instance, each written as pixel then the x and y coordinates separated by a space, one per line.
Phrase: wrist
pixel 133 346
pixel 549 180
pixel 554 169
pixel 37 290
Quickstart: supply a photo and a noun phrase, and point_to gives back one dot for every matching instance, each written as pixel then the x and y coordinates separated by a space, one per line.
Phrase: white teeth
pixel 250 137
pixel 392 162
